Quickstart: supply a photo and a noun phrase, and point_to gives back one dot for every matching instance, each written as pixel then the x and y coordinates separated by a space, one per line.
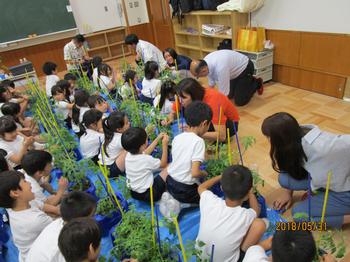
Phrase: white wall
pixel 331 16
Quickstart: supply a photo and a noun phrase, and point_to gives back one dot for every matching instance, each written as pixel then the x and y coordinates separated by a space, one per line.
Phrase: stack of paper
pixel 212 29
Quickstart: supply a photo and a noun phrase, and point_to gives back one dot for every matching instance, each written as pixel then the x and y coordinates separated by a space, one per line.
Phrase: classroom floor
pixel 330 114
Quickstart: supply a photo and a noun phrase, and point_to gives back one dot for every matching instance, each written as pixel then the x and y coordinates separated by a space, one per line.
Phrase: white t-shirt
pixel 51 80
pixel 139 171
pixel 150 52
pixel 125 91
pixel 37 190
pixel 26 225
pixel 113 149
pixel 225 65
pixel 186 148
pixel 255 254
pixel 62 108
pixel 95 76
pixel 75 127
pixel 45 247
pixel 90 143
pixel 71 52
pixel 222 226
pixel 151 88
pixel 167 106
pixel 104 82
pixel 12 148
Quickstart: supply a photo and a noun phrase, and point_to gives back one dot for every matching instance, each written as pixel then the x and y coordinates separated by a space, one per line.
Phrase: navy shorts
pixel 114 171
pixel 183 192
pixel 158 188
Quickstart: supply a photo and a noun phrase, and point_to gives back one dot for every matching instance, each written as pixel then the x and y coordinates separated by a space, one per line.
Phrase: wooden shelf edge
pixel 185 33
pixel 188 46
pixel 217 36
pixel 97 48
pixel 117 43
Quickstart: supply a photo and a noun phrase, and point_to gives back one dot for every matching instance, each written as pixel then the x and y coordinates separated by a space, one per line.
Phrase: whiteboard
pixel 96 15
pixel 137 12
pixel 305 15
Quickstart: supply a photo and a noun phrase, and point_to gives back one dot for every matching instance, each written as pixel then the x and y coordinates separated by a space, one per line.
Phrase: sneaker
pixel 260 90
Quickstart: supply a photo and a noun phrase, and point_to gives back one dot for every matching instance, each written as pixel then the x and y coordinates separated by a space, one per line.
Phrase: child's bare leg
pixel 164 174
pixel 254 234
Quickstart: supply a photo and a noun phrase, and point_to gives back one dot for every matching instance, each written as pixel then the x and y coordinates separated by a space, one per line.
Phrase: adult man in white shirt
pixel 75 53
pixel 145 51
pixel 232 72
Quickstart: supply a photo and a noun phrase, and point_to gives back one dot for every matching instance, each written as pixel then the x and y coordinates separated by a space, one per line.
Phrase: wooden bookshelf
pixel 189 39
pixel 108 44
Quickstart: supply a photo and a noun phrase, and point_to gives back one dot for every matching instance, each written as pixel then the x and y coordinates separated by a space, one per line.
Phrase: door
pixel 160 17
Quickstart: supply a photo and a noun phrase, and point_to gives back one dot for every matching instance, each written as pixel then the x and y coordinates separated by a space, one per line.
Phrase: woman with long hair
pixel 304 155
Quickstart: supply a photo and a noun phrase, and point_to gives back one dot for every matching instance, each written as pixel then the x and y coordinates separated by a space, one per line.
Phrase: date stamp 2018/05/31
pixel 304 226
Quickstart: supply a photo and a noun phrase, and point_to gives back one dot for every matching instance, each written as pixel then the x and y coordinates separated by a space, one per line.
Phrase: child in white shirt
pixel 37 165
pixel 16 146
pixel 224 223
pixel 106 78
pixel 113 154
pixel 62 106
pixel 99 103
pixel 68 90
pixel 26 222
pixel 164 101
pixel 140 165
pixel 150 84
pixel 188 152
pixel 91 139
pixel 80 107
pixel 96 61
pixel 72 79
pixel 49 69
pixel 45 247
pixel 127 91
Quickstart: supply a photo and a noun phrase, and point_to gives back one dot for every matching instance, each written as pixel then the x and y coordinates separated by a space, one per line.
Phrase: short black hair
pixel 91 116
pixel 293 245
pixel 133 138
pixel 151 68
pixel 96 61
pixel 10 109
pixel 9 180
pixel 95 99
pixel 70 76
pixel 64 84
pixel 197 112
pixel 79 38
pixel 7 125
pixel 49 67
pixel 236 181
pixel 191 87
pixel 76 237
pixel 2 91
pixel 35 160
pixel 7 83
pixel 131 39
pixel 56 89
pixel 77 204
pixel 201 64
pixel 171 51
pixel 3 162
pixel 129 75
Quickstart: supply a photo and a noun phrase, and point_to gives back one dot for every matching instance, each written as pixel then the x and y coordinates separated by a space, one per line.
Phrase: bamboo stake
pixel 152 216
pixel 229 147
pixel 180 239
pixel 217 138
pixel 326 197
pixel 177 111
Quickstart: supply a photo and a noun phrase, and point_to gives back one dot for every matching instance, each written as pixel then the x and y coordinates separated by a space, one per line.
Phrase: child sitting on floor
pixel 96 61
pixel 224 223
pixel 45 247
pixel 68 90
pixel 127 91
pixel 80 240
pixel 72 79
pixel 106 78
pixel 188 152
pixel 113 154
pixel 26 222
pixel 164 101
pixel 15 145
pixel 80 107
pixel 63 107
pixel 140 165
pixel 150 84
pixel 92 138
pixel 49 70
pixel 37 165
pixel 7 95
pixel 286 246
pixel 99 103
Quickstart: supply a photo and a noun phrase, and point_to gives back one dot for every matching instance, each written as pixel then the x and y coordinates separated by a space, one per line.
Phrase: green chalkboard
pixel 20 18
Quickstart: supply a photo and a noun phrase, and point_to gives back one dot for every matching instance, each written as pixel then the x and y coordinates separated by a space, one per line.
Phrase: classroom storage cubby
pixel 189 39
pixel 109 44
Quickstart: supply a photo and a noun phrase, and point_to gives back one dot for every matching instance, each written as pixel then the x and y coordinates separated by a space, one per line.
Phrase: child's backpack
pixel 212 4
pixel 181 7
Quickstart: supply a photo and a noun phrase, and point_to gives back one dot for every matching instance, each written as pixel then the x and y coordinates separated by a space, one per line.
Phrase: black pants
pixel 158 189
pixel 231 125
pixel 183 192
pixel 243 87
